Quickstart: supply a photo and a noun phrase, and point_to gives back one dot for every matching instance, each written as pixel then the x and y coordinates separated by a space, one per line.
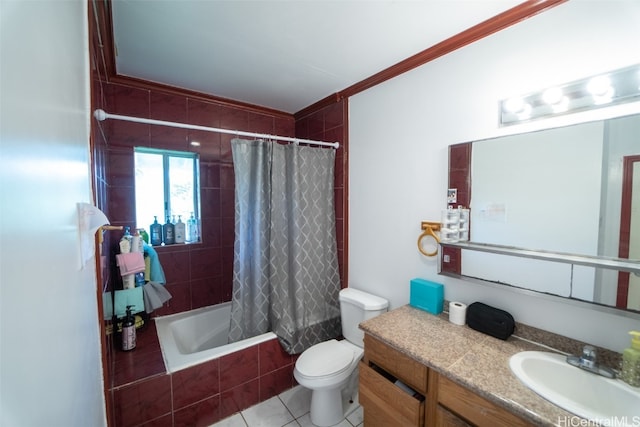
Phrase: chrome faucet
pixel 588 362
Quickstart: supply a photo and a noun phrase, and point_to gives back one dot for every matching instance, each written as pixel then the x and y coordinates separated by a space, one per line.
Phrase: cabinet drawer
pixel 409 371
pixel 385 404
pixel 473 408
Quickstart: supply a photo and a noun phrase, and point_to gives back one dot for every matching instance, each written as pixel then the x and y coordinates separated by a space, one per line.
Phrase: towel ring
pixel 429 230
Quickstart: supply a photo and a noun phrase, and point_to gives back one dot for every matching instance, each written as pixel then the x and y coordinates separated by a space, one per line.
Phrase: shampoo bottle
pixel 180 230
pixel 631 361
pixel 156 232
pixel 168 233
pixel 192 229
pixel 128 331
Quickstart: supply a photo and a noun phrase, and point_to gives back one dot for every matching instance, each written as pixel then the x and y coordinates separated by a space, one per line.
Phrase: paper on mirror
pixel 90 218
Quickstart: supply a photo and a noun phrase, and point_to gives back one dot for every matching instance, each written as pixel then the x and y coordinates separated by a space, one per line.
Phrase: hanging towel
pixel 122 299
pixel 130 263
pixel 156 273
pixel 154 296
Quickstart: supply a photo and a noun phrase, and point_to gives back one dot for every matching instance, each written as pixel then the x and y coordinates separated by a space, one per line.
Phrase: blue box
pixel 426 295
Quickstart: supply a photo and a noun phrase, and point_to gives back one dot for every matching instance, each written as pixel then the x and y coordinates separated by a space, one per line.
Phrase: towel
pixel 154 296
pixel 156 273
pixel 130 263
pixel 122 299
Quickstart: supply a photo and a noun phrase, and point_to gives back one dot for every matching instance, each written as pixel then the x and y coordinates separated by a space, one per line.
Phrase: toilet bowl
pixel 331 366
pixel 326 368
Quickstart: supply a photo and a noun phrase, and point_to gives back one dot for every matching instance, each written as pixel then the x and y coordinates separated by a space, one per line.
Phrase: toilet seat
pixel 325 359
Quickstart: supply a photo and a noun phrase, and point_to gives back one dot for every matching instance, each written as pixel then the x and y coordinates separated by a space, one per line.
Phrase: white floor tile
pixel 270 413
pixel 350 406
pixel 297 400
pixel 305 421
pixel 356 417
pixel 235 420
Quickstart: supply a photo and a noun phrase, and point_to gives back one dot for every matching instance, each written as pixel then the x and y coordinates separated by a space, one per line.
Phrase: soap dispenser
pixel 631 361
pixel 156 232
pixel 180 230
pixel 128 331
pixel 168 232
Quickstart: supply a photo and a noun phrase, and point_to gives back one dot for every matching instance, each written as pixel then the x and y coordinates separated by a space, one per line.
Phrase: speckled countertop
pixel 475 360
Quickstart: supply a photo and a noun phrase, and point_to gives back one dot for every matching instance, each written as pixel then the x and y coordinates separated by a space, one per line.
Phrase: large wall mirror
pixel 574 189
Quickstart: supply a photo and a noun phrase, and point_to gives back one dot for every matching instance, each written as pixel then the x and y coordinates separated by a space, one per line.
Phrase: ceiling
pixel 283 55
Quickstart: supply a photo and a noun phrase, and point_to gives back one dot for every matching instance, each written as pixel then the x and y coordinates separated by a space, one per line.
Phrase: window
pixel 166 184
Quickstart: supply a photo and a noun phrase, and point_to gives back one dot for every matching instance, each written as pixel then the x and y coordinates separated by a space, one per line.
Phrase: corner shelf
pixel 621 264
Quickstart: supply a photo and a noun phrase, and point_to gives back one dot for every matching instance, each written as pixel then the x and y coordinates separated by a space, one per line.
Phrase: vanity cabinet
pixel 459 406
pixel 385 402
pixel 426 398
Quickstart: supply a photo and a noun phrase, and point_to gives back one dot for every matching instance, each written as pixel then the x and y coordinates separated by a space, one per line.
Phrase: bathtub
pixel 197 336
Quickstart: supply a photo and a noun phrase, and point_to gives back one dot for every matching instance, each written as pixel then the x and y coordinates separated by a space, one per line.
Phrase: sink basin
pixel 590 396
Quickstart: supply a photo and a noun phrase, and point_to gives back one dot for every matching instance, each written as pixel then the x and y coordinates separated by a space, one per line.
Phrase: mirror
pixel 574 189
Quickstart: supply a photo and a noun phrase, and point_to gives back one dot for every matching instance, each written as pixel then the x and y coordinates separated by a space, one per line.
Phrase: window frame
pixel 166 175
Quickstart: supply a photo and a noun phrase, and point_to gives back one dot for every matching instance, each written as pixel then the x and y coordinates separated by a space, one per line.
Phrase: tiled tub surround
pixel 146 395
pixel 197 336
pixel 475 360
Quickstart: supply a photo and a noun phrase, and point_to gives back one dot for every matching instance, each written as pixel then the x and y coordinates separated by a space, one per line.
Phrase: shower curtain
pixel 285 272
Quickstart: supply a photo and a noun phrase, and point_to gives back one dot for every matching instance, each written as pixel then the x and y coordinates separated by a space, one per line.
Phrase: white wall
pixel 50 365
pixel 400 130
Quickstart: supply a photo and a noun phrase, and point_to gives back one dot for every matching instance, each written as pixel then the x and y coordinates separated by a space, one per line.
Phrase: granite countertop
pixel 475 360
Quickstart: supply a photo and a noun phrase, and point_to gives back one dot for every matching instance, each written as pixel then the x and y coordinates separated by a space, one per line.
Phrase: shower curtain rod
pixel 102 115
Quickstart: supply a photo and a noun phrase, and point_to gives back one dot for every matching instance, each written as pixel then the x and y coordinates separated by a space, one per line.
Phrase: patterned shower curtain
pixel 285 273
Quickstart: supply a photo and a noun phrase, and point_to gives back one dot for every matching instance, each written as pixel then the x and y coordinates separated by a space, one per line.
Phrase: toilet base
pixel 326 407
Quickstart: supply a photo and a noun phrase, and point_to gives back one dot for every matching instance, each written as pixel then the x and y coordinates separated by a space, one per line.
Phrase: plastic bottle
pixel 168 233
pixel 192 229
pixel 125 241
pixel 180 230
pixel 156 232
pixel 144 235
pixel 128 331
pixel 630 372
pixel 136 243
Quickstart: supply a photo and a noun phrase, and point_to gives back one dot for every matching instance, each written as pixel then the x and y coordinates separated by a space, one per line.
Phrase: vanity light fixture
pixel 599 91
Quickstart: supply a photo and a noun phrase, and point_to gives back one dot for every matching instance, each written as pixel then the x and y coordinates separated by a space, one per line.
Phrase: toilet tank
pixel 355 307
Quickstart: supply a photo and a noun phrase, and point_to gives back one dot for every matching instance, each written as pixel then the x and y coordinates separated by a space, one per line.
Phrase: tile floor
pixel 289 409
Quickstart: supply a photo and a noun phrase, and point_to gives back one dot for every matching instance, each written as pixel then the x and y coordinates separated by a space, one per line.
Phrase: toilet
pixel 329 367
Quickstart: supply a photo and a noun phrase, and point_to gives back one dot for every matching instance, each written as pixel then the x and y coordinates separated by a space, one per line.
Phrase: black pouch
pixel 490 320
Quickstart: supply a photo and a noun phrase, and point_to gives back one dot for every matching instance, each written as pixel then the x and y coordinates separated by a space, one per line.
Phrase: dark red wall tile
pixel 205 292
pixel 209 177
pixel 143 401
pixel 239 367
pixel 201 414
pixel 170 108
pixel 260 123
pixel 272 356
pixel 176 264
pixel 205 262
pixel 196 383
pixel 239 397
pixel 275 382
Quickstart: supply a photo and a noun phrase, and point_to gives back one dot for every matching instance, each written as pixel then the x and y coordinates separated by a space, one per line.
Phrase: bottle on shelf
pixel 128 331
pixel 630 372
pixel 180 230
pixel 126 241
pixel 144 235
pixel 192 229
pixel 168 232
pixel 156 232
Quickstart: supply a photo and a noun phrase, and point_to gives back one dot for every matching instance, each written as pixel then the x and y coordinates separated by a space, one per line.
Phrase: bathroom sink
pixel 580 392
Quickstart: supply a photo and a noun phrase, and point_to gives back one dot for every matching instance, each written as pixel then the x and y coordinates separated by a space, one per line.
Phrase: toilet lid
pixel 326 358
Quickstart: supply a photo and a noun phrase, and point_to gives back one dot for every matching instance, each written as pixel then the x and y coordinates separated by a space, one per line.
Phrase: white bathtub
pixel 196 336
